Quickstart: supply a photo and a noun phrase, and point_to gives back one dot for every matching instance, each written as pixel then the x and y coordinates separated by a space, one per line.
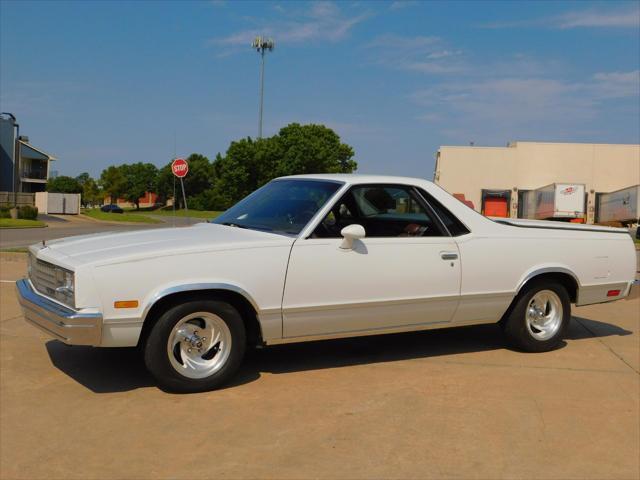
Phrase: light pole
pixel 261 45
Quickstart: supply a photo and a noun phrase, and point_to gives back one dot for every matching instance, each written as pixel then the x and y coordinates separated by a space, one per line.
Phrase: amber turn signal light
pixel 125 304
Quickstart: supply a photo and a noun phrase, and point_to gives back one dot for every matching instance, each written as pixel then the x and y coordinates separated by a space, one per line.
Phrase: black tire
pixel 156 355
pixel 515 322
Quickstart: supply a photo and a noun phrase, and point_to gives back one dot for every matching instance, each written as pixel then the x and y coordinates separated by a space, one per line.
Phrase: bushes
pixel 27 212
pixel 208 200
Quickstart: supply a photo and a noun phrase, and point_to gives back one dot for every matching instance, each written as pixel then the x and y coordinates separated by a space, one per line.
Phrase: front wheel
pixel 195 346
pixel 540 317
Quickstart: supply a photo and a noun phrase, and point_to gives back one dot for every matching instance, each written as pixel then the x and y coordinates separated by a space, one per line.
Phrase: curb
pixel 109 222
pixel 23 227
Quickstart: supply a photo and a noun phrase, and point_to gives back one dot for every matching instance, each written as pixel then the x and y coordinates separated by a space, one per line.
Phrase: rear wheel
pixel 539 318
pixel 195 346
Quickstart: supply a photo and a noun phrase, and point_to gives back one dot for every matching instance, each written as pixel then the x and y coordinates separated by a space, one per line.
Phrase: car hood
pixel 115 247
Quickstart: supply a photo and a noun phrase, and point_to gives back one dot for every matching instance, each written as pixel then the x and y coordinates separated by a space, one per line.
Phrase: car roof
pixel 356 178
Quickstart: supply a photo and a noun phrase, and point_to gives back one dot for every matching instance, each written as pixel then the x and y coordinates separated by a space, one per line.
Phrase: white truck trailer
pixel 621 206
pixel 562 201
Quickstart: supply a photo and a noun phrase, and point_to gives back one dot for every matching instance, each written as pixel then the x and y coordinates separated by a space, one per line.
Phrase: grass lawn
pixel 14 250
pixel 19 223
pixel 118 217
pixel 168 212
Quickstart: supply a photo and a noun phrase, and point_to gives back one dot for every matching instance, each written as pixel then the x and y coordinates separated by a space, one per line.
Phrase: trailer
pixel 557 201
pixel 621 206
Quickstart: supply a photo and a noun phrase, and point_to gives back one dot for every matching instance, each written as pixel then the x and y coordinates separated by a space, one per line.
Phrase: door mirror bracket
pixel 351 233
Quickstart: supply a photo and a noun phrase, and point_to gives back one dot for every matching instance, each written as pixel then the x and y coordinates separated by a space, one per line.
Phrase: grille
pixel 43 277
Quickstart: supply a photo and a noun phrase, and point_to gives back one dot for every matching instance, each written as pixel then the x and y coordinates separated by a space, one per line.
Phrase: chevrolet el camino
pixel 314 257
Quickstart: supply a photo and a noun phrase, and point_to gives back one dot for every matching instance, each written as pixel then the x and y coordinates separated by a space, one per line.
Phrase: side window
pixel 383 211
pixel 455 226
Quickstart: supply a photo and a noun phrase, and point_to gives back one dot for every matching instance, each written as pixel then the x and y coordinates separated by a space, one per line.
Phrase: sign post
pixel 180 168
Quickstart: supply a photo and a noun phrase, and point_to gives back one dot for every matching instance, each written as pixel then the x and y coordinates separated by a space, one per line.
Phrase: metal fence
pixel 9 199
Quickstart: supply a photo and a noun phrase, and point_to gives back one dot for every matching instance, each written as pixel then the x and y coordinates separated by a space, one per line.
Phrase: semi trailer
pixel 557 201
pixel 621 206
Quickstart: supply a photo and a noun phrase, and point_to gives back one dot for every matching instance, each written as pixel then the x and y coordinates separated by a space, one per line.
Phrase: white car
pixel 315 257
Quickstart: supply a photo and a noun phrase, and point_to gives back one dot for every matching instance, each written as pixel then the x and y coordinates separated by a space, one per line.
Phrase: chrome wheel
pixel 199 345
pixel 544 315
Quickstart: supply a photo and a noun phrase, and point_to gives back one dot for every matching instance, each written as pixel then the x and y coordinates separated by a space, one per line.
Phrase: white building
pixel 495 179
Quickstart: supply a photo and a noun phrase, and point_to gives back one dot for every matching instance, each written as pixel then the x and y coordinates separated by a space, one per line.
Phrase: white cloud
pixel 494 109
pixel 616 84
pixel 400 4
pixel 628 18
pixel 319 21
pixel 427 54
pixel 591 18
pixel 434 67
pixel 398 42
pixel 443 54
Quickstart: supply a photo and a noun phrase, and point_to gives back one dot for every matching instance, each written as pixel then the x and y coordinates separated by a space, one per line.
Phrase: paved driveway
pixel 438 404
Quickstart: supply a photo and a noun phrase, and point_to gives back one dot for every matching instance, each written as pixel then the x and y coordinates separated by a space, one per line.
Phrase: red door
pixel 496 207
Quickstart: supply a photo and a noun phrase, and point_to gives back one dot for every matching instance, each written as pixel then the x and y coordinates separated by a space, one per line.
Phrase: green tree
pixel 199 179
pixel 139 178
pixel 313 149
pixel 113 182
pixel 90 191
pixel 63 184
pixel 83 177
pixel 296 149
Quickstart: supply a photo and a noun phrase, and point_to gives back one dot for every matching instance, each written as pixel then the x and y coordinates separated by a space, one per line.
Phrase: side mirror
pixel 351 233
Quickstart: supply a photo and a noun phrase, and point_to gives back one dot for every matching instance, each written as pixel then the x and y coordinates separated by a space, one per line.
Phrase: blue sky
pixel 100 83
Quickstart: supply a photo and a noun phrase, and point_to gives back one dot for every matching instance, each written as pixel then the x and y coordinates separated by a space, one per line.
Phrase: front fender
pixel 167 290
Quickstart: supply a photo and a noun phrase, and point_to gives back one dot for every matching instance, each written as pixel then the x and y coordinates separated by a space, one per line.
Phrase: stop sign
pixel 180 167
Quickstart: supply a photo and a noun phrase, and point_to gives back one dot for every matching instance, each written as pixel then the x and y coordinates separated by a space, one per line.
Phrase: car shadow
pixel 593 328
pixel 110 370
pixel 51 218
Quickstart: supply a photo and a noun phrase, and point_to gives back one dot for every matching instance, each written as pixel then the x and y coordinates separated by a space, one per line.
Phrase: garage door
pixel 495 207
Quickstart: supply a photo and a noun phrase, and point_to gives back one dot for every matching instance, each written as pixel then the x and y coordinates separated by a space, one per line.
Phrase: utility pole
pixel 262 45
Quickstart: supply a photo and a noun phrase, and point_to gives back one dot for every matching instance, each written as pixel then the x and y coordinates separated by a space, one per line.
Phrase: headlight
pixel 52 280
pixel 65 286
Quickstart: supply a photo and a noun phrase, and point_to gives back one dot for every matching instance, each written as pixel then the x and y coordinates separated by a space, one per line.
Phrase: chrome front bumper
pixel 65 324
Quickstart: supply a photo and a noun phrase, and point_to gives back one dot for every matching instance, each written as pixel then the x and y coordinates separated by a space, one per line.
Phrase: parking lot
pixel 440 404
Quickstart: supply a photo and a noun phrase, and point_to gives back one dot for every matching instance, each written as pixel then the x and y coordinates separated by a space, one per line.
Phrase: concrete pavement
pixel 441 404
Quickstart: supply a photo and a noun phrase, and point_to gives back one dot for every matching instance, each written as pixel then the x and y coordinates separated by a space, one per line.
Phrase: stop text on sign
pixel 180 167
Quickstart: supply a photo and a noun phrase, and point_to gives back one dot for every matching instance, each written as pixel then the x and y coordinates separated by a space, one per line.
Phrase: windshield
pixel 281 206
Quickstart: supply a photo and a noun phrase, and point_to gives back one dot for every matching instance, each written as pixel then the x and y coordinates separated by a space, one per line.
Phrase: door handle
pixel 448 255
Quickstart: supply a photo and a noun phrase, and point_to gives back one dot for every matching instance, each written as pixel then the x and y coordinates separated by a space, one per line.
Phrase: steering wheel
pixel 414 230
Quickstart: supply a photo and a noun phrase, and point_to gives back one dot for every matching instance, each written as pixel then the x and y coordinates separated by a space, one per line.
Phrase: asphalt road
pixel 66 226
pixel 450 403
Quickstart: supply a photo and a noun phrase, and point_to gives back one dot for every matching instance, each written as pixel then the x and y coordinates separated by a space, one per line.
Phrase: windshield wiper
pixel 237 225
pixel 249 227
pixel 259 227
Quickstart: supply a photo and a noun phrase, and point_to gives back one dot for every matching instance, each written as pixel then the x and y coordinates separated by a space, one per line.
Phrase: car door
pixel 404 273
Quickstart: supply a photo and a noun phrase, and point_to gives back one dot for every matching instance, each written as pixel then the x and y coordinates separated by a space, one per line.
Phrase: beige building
pixel 496 179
